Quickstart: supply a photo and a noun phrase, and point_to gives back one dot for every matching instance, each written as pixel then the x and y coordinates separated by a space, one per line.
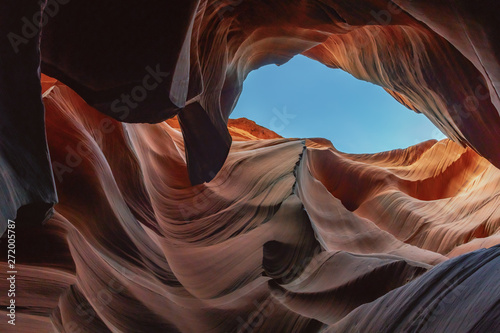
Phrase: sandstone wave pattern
pixel 291 235
pixel 141 207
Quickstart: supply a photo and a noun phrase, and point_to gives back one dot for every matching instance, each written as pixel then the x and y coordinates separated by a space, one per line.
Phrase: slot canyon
pixel 138 205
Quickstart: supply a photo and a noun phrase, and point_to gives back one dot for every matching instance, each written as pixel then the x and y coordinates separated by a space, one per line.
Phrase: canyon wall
pixel 171 217
pixel 149 62
pixel 290 236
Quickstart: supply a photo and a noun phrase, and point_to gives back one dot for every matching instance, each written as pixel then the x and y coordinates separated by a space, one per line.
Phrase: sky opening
pixel 304 99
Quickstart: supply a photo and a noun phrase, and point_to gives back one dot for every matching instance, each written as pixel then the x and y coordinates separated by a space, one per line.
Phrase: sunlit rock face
pixel 290 236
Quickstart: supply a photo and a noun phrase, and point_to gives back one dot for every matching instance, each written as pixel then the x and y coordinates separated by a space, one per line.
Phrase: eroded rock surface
pixel 146 62
pixel 290 236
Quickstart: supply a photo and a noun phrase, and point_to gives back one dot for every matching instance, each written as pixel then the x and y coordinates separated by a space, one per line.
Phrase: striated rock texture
pixel 146 62
pixel 290 236
pixel 201 224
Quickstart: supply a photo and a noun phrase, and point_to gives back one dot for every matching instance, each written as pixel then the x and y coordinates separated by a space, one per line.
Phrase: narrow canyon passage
pixel 131 201
pixel 310 236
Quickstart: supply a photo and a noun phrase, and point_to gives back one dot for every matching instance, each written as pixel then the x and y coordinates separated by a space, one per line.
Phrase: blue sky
pixel 303 98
